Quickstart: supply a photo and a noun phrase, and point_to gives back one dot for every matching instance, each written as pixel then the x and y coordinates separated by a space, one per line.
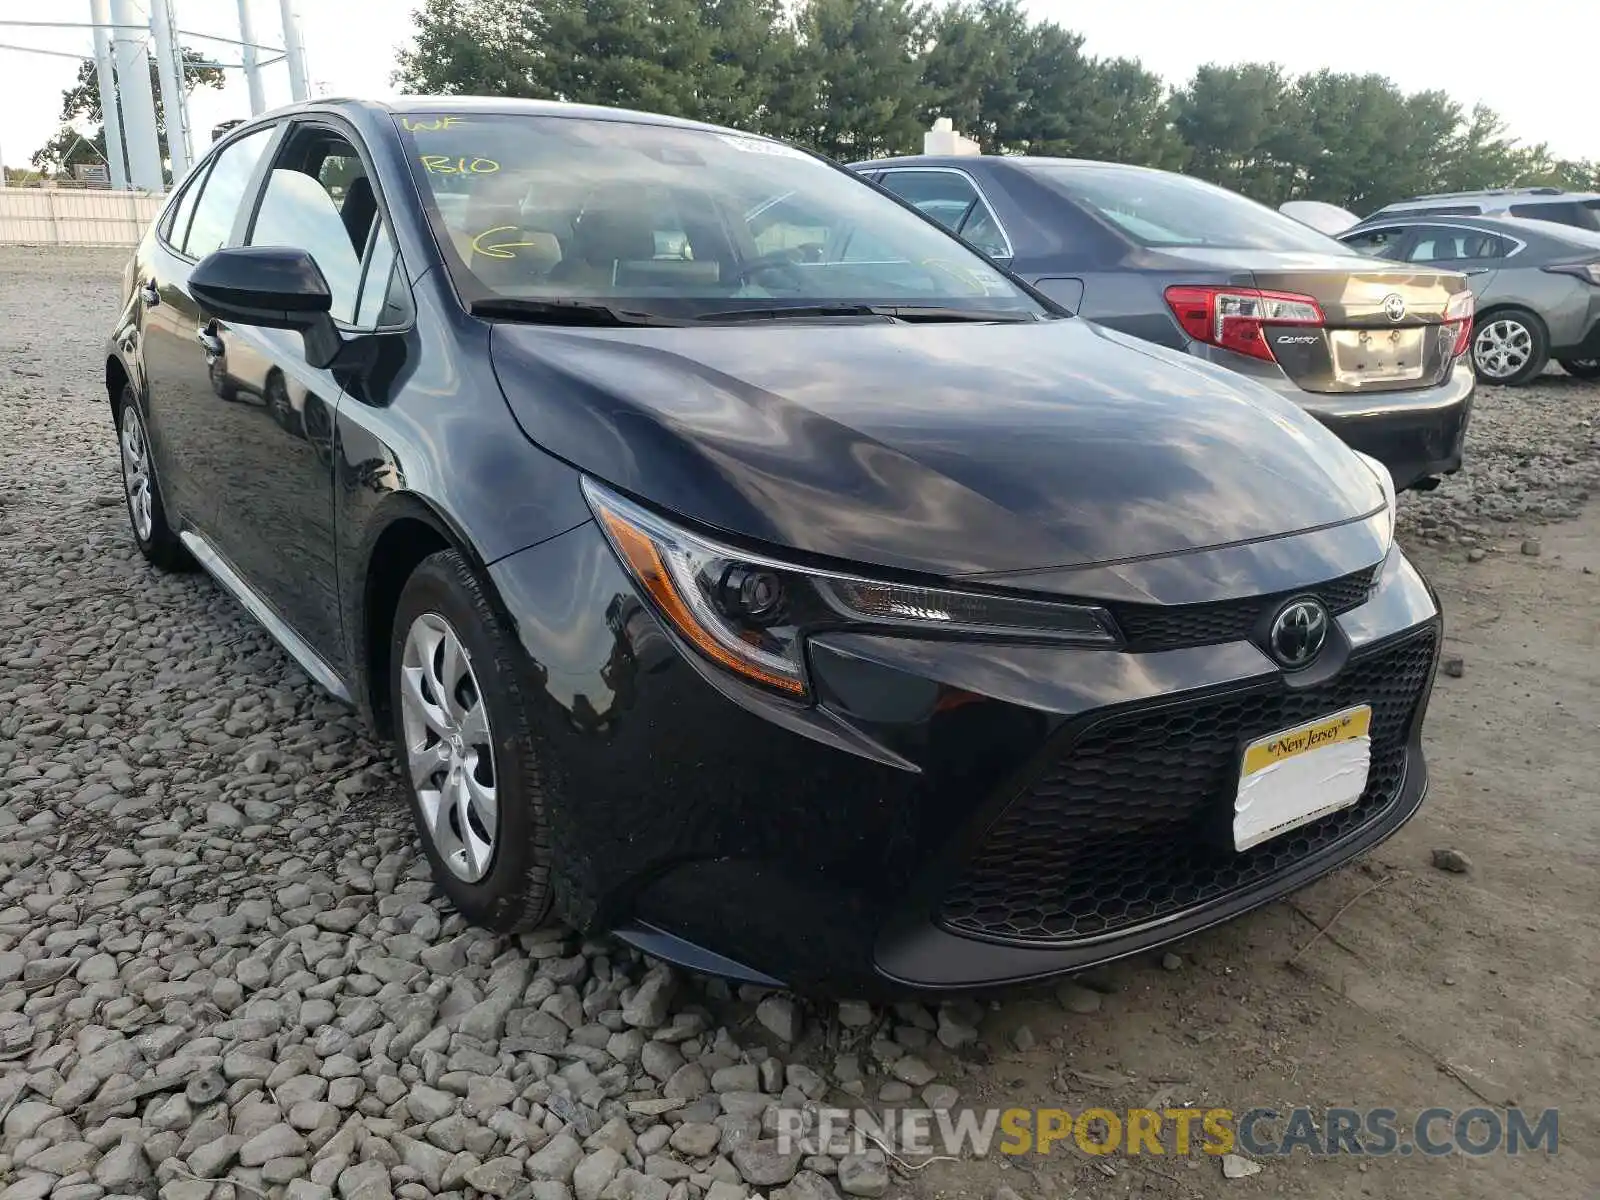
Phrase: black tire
pixel 1581 368
pixel 1515 327
pixel 159 543
pixel 217 369
pixel 279 407
pixel 515 892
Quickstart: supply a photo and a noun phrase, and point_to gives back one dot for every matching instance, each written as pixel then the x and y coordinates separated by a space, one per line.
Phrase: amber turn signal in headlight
pixel 750 614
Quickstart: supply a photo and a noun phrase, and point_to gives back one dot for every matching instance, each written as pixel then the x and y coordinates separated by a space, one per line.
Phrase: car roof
pixel 1498 197
pixel 497 105
pixel 1018 161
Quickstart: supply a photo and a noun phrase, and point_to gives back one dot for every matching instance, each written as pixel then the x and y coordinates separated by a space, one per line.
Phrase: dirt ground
pixel 1390 984
pixel 1430 988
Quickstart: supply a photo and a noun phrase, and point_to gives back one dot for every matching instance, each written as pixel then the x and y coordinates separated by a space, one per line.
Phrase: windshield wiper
pixel 562 312
pixel 895 312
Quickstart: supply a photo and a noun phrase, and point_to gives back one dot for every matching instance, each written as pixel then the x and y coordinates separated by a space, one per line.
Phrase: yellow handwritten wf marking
pixel 429 126
pixel 499 249
pixel 443 164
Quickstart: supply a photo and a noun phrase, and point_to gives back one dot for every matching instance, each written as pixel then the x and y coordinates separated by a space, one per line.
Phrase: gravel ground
pixel 1533 457
pixel 223 972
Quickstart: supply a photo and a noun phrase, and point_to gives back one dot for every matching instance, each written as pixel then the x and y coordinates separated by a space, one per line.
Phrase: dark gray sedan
pixel 1374 351
pixel 1537 286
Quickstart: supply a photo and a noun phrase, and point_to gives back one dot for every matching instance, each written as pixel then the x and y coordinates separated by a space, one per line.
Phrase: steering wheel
pixel 778 260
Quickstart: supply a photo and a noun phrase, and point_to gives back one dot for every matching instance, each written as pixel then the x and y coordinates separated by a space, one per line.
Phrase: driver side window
pixel 318 199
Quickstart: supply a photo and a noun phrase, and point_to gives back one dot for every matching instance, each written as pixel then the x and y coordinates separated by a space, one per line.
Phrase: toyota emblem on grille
pixel 1298 632
pixel 1394 306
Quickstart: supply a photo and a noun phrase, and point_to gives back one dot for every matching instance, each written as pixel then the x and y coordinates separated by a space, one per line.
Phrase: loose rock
pixel 1451 860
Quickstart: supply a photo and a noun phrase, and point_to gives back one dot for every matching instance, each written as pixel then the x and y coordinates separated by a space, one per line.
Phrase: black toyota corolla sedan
pixel 740 564
pixel 1376 352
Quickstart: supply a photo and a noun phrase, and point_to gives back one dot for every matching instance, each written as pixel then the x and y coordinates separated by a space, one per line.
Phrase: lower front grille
pixel 1129 826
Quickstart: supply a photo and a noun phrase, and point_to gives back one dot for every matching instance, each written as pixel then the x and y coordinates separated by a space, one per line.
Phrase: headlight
pixel 750 614
pixel 1386 482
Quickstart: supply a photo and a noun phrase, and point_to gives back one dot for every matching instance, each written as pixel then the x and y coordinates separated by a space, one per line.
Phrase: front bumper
pixel 827 846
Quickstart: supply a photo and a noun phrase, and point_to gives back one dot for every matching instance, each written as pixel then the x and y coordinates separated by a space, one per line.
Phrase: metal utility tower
pixel 169 70
pixel 294 51
pixel 105 79
pixel 252 61
pixel 138 102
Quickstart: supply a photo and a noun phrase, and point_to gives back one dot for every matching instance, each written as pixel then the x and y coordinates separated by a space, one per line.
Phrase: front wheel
pixel 156 539
pixel 1509 347
pixel 1581 368
pixel 465 748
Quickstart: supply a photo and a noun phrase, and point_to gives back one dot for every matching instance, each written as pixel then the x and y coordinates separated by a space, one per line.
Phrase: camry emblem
pixel 1298 632
pixel 1394 306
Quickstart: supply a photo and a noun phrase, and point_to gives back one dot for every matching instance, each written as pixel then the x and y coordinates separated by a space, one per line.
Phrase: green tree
pixel 714 60
pixel 476 48
pixel 1238 123
pixel 80 103
pixel 863 78
pixel 973 71
pixel 860 63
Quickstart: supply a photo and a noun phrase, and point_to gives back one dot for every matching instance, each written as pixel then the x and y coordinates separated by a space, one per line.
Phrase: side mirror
pixel 261 285
pixel 272 286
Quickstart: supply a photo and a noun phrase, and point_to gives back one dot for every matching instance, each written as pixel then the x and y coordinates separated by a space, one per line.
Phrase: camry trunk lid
pixel 1386 327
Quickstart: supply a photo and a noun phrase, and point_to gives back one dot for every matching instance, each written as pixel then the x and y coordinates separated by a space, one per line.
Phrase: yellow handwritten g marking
pixel 443 164
pixel 499 249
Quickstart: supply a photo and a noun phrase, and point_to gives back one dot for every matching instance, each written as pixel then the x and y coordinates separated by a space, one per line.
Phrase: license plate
pixel 1377 355
pixel 1300 774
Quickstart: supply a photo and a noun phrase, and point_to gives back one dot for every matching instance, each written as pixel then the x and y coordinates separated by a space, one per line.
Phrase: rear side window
pixel 1441 244
pixel 1582 214
pixel 175 226
pixel 953 200
pixel 222 193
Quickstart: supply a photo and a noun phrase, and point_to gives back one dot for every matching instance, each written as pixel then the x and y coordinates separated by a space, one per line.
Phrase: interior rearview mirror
pixel 276 287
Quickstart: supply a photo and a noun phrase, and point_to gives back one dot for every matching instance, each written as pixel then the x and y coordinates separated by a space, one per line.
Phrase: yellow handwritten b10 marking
pixel 443 164
pixel 498 249
pixel 428 126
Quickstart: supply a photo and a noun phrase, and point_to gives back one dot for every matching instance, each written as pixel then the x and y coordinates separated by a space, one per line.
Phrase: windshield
pixel 1158 209
pixel 676 222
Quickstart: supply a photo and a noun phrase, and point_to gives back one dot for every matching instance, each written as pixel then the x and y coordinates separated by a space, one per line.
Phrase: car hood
pixel 941 448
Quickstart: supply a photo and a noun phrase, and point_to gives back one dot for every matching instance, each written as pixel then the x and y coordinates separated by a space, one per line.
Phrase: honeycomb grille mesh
pixel 1150 627
pixel 1133 823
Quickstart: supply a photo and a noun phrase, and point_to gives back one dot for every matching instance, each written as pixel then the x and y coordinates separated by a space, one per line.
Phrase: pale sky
pixel 1532 61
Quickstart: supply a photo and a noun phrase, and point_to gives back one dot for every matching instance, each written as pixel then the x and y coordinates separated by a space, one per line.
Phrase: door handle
pixel 209 340
pixel 149 295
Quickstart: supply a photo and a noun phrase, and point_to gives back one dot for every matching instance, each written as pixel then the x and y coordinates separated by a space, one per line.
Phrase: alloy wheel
pixel 449 747
pixel 136 480
pixel 1501 348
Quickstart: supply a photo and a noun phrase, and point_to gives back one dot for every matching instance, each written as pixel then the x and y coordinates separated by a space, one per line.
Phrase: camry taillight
pixel 1234 318
pixel 1458 316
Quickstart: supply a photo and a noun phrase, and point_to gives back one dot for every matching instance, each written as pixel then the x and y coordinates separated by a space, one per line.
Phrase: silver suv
pixel 1580 209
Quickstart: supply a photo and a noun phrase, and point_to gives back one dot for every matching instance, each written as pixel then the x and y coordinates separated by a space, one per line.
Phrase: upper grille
pixel 1133 823
pixel 1161 627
